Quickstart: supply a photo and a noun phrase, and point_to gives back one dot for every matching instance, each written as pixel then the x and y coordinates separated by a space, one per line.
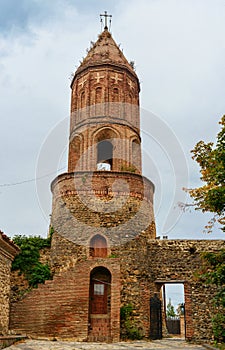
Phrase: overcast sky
pixel 179 51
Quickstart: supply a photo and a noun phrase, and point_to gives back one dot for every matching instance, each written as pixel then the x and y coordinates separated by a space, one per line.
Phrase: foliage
pixel 211 196
pixel 39 274
pixel 215 274
pixel 130 329
pixel 126 312
pixel 219 328
pixel 170 312
pixel 27 261
pixel 130 169
pixel 113 256
pixel 180 309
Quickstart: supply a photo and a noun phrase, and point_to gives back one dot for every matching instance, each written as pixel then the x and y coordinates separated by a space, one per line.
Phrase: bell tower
pixel 105 121
pixel 102 208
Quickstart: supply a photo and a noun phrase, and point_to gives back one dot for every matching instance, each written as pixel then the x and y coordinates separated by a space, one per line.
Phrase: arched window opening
pixel 135 153
pixel 98 247
pixel 115 110
pixel 115 95
pixel 75 152
pixel 98 95
pixel 130 98
pixel 104 155
pixel 82 99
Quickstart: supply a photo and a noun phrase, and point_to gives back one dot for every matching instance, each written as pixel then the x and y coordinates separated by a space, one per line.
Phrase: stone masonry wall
pixel 146 266
pixel 7 253
pixel 115 205
pixel 5 267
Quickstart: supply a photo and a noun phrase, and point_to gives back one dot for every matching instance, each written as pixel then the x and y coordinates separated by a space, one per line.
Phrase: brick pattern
pixel 105 105
pixel 81 211
pixel 60 308
pixel 100 329
pixel 124 138
pixel 189 331
pixel 145 265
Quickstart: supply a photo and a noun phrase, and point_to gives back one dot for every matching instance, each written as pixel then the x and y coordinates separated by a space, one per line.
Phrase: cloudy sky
pixel 179 51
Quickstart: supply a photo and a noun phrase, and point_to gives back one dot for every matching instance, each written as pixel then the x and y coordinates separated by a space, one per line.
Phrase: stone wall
pixel 144 264
pixel 5 266
pixel 7 253
pixel 116 205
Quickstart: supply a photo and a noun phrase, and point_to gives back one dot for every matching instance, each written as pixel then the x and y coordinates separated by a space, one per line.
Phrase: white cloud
pixel 178 47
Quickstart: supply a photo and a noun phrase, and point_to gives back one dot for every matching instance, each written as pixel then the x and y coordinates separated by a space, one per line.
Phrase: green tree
pixel 210 197
pixel 170 311
pixel 27 261
pixel 214 274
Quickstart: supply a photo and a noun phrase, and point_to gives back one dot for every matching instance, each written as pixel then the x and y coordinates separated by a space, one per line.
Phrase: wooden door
pixel 98 296
pixel 155 318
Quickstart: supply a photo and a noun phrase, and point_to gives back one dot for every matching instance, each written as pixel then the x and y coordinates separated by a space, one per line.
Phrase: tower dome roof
pixel 105 51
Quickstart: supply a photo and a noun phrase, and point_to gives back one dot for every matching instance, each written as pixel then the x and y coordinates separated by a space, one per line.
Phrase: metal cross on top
pixel 106 19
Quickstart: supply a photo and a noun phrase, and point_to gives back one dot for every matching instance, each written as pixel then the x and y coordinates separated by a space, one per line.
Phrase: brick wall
pixel 60 308
pixel 83 145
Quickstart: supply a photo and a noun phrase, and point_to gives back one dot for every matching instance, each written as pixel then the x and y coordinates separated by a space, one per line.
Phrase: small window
pixel 99 289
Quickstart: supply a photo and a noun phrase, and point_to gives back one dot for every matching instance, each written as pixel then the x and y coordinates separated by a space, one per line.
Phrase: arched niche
pixel 98 247
pixel 82 100
pixel 115 95
pixel 98 95
pixel 136 153
pixel 75 152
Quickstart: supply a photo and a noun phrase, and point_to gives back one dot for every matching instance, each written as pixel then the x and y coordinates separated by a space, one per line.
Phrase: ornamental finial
pixel 106 20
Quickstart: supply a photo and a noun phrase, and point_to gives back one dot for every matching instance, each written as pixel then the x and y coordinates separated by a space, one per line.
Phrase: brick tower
pixel 104 254
pixel 102 210
pixel 103 204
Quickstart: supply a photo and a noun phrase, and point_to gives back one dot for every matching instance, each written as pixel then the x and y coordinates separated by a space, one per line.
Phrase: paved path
pixel 165 344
